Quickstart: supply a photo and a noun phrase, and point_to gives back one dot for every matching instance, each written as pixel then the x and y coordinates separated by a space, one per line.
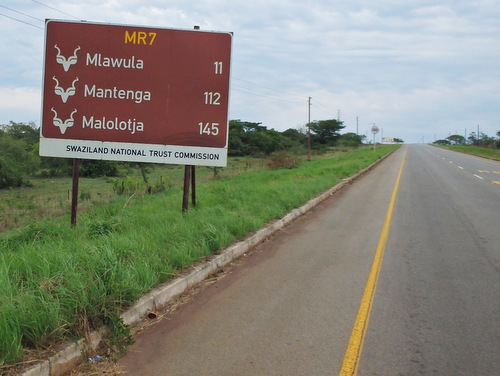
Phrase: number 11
pixel 218 67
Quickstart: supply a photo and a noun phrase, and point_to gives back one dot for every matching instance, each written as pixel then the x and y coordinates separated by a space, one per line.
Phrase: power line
pixel 325 109
pixel 265 95
pixel 60 11
pixel 268 88
pixel 24 14
pixel 291 97
pixel 24 22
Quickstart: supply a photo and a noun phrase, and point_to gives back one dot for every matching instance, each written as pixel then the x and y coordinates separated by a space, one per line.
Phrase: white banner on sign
pixel 133 152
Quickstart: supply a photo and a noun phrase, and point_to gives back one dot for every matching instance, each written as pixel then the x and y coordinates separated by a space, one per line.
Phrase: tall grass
pixel 49 197
pixel 56 282
pixel 488 152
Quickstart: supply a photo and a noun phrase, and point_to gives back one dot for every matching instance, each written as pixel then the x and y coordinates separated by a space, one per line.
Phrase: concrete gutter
pixel 68 358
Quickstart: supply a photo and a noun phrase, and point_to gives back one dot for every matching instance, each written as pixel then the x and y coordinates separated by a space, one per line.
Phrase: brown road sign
pixel 123 92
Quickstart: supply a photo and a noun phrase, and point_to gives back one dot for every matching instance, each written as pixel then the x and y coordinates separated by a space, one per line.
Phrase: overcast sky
pixel 419 70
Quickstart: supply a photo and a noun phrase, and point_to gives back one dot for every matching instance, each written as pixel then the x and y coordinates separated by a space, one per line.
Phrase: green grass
pixel 493 153
pixel 58 281
pixel 50 197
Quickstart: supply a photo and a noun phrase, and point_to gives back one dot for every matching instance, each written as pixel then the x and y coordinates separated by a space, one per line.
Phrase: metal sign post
pixel 74 196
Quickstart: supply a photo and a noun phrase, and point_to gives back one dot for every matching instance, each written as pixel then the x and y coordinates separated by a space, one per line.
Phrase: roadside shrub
pixel 134 185
pixel 127 185
pixel 99 228
pixel 281 159
pixel 15 161
pixel 52 167
pixel 160 185
pixel 94 169
pixel 84 195
pixel 9 175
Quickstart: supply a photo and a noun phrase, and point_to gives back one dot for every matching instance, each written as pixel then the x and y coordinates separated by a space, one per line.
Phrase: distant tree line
pixel 480 139
pixel 19 143
pixel 18 154
pixel 254 139
pixel 19 159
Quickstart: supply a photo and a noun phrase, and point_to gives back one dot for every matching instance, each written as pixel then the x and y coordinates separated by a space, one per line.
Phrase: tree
pixel 247 138
pixel 238 137
pixel 456 139
pixel 298 136
pixel 21 131
pixel 487 141
pixel 17 159
pixel 95 168
pixel 351 139
pixel 473 139
pixel 326 132
pixel 442 142
pixel 53 166
pixel 481 139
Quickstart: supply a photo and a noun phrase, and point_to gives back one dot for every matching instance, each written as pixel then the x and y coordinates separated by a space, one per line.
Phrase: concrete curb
pixel 68 358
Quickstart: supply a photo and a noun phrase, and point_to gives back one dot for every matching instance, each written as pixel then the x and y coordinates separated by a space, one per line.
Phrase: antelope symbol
pixel 66 62
pixel 65 93
pixel 63 125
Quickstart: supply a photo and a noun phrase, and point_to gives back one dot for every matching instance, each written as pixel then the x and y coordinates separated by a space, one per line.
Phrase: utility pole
pixel 309 130
pixel 357 125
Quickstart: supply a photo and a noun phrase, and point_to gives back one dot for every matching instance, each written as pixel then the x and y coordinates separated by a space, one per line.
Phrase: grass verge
pixel 50 197
pixel 493 153
pixel 59 282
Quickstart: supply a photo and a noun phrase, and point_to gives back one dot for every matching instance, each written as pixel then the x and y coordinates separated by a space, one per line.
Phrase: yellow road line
pixel 353 352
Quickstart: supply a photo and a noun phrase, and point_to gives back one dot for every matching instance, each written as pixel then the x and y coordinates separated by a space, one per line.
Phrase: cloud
pixel 416 67
pixel 19 104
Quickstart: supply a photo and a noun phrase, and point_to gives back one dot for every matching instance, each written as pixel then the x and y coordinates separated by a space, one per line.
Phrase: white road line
pixel 479 177
pixel 460 167
pixel 450 162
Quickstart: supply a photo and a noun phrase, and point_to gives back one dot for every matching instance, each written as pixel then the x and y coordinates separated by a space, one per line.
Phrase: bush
pixel 9 175
pixel 160 186
pixel 52 167
pixel 127 185
pixel 281 159
pixel 99 228
pixel 94 169
pixel 15 161
pixel 85 195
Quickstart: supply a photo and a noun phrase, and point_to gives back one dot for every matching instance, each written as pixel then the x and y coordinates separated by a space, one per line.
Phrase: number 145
pixel 211 129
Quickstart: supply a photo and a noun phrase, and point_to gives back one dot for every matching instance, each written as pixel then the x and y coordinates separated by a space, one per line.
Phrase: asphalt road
pixel 289 308
pixel 437 307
